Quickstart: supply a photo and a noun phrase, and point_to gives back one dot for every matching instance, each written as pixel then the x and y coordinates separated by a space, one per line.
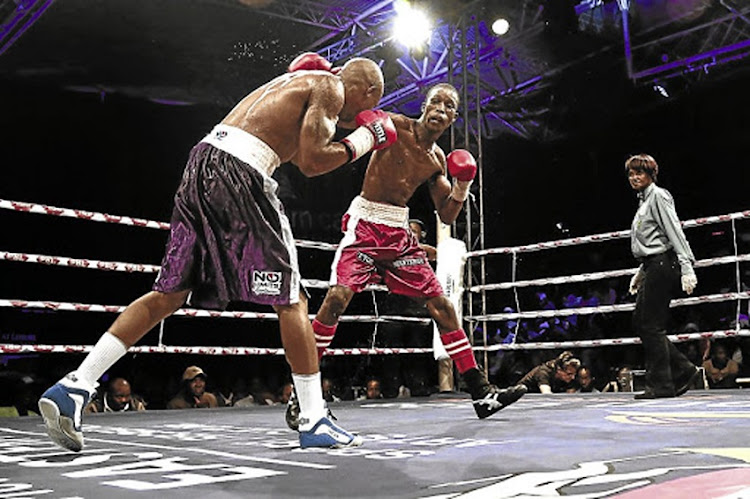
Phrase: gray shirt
pixel 657 229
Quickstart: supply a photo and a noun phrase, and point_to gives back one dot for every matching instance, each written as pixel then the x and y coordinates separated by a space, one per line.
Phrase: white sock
pixel 310 396
pixel 106 352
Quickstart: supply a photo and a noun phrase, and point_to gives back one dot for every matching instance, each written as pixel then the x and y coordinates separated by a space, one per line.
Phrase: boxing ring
pixel 583 446
pixel 579 445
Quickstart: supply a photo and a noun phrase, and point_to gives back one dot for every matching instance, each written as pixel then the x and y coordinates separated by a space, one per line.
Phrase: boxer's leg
pixel 62 404
pixel 316 430
pixel 488 399
pixel 326 320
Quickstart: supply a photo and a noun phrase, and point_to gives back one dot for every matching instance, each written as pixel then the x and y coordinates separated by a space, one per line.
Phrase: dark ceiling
pixel 560 55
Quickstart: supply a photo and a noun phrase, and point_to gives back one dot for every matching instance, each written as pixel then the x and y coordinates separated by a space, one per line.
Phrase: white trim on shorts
pixel 257 154
pixel 369 211
pixel 244 146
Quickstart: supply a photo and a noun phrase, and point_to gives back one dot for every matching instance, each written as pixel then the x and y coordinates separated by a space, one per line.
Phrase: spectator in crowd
pixel 623 382
pixel 118 397
pixel 553 376
pixel 585 381
pixel 328 391
pixel 721 370
pixel 373 389
pixel 193 393
pixel 17 394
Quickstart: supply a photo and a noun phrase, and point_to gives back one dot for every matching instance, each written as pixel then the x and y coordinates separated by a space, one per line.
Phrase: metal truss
pixel 16 16
pixel 695 50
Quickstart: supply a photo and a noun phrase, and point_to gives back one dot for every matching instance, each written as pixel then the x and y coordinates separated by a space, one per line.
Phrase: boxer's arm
pixel 440 188
pixel 318 153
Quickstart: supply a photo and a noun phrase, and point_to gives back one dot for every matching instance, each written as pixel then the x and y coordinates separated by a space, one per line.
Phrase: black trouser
pixel 666 366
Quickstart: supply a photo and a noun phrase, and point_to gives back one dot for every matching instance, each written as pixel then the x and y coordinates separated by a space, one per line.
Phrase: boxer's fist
pixel 463 168
pixel 461 165
pixel 376 131
pixel 309 61
pixel 380 126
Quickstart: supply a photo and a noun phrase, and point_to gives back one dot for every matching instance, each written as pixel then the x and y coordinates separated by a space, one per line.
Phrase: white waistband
pixel 380 213
pixel 245 147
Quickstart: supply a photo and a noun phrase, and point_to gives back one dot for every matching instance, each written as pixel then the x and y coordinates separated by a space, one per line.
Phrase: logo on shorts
pixel 408 262
pixel 221 134
pixel 266 282
pixel 365 258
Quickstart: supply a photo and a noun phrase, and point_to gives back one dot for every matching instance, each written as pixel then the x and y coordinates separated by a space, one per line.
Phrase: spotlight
pixel 500 26
pixel 411 27
pixel 659 89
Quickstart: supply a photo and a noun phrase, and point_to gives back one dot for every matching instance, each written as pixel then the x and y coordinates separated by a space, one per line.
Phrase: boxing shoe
pixel 488 399
pixel 293 410
pixel 327 435
pixel 491 399
pixel 62 406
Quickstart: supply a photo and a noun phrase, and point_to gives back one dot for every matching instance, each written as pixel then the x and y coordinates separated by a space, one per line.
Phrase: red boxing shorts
pixel 378 246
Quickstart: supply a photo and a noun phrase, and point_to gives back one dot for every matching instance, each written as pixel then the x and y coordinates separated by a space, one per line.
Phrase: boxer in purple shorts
pixel 379 246
pixel 230 239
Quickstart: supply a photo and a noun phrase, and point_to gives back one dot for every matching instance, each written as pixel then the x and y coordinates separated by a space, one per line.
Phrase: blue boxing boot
pixel 327 435
pixel 62 406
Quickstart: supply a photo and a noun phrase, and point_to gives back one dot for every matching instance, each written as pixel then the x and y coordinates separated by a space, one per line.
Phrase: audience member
pixel 585 381
pixel 622 383
pixel 116 398
pixel 373 389
pixel 553 376
pixel 193 393
pixel 720 369
pixel 328 392
pixel 17 394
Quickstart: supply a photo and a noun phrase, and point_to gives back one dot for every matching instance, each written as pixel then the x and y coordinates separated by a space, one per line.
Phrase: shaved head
pixel 364 70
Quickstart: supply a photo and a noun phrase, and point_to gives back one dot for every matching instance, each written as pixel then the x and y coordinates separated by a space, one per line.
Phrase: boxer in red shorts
pixel 379 246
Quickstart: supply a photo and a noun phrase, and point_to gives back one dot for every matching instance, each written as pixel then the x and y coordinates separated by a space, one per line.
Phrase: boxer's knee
pixel 336 301
pixel 160 303
pixel 442 311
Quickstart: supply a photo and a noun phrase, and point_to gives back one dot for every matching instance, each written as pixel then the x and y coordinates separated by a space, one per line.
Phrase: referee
pixel 658 243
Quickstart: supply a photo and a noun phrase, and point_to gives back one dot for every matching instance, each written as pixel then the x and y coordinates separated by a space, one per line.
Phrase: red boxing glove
pixel 309 61
pixel 461 165
pixel 376 131
pixel 463 169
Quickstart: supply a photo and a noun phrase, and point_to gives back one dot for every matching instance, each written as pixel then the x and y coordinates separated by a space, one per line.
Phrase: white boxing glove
pixel 635 282
pixel 689 282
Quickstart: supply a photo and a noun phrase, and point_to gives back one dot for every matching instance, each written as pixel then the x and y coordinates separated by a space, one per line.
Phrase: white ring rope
pixel 10 348
pixel 597 238
pixel 202 350
pixel 192 312
pixel 83 263
pixel 63 261
pixel 80 214
pixel 624 307
pixel 594 276
pixel 312 283
pixel 117 219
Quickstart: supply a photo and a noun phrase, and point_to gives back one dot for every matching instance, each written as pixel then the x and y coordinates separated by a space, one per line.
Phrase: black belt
pixel 667 254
